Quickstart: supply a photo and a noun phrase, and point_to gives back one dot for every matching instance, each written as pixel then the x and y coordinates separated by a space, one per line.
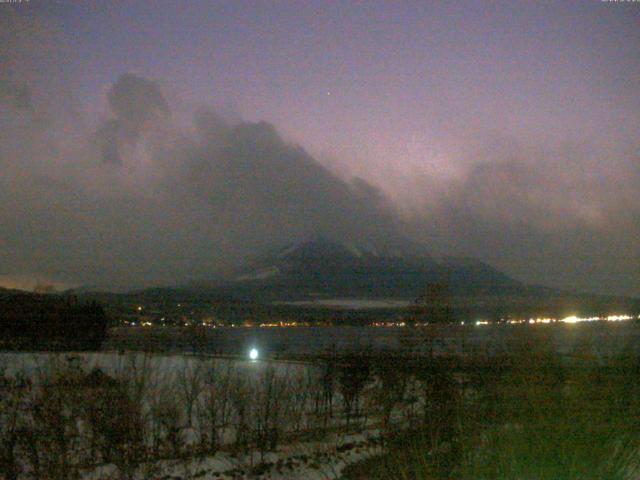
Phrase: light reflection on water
pixel 605 338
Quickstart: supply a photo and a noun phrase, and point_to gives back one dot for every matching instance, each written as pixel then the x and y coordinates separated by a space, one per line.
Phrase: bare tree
pixel 115 424
pixel 14 398
pixel 240 397
pixel 168 415
pixel 137 385
pixel 353 376
pixel 299 391
pixel 190 382
pixel 392 379
pixel 215 409
pixel 268 410
pixel 55 423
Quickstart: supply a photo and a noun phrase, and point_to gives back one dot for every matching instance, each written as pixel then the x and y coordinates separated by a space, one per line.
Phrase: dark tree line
pixel 49 322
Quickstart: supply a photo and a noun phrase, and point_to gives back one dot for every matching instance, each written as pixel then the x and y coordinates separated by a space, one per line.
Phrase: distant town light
pixel 253 354
pixel 571 319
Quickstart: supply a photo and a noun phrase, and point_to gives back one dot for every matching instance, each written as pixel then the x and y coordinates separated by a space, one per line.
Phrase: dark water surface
pixel 600 338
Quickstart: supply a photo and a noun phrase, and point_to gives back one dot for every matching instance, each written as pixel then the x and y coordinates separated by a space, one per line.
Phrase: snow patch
pixel 261 274
pixel 349 303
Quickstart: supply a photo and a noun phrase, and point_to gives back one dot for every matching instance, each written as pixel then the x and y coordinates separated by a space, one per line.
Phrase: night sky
pixel 157 143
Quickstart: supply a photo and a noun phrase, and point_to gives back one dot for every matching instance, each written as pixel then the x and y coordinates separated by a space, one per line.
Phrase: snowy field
pixel 161 370
pixel 134 415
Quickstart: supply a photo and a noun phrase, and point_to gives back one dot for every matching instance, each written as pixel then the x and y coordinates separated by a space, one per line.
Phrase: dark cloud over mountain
pixel 158 204
pixel 516 146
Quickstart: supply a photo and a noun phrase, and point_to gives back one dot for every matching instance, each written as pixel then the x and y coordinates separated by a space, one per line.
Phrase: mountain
pixel 325 272
pixel 320 278
pixel 345 282
pixel 321 267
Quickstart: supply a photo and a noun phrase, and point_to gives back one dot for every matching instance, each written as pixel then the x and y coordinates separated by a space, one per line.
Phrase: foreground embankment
pixel 524 410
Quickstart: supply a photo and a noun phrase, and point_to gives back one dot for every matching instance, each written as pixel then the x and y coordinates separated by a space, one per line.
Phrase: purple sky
pixel 508 131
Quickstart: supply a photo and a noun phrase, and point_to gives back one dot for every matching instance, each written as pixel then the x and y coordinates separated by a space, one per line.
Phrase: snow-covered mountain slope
pixel 324 267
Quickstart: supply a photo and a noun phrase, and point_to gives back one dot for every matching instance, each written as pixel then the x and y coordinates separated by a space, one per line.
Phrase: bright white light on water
pixel 571 319
pixel 253 354
pixel 574 319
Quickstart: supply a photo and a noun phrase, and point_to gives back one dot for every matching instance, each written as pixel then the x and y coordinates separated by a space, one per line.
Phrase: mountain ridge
pixel 328 267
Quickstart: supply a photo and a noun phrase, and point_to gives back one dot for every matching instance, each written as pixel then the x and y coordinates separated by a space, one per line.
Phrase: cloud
pixel 136 104
pixel 157 203
pixel 154 203
pixel 566 216
pixel 145 199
